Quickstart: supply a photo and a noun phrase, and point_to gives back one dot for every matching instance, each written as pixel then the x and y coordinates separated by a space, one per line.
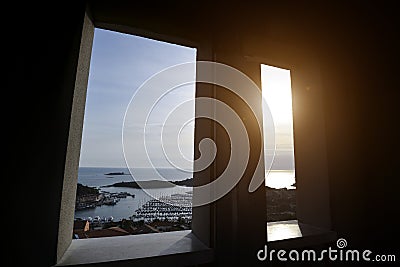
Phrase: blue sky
pixel 121 63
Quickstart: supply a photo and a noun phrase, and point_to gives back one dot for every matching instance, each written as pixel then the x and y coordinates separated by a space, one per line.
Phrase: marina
pixel 122 207
pixel 167 208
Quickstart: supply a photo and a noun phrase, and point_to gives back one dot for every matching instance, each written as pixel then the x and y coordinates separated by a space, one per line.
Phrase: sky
pixel 277 92
pixel 121 63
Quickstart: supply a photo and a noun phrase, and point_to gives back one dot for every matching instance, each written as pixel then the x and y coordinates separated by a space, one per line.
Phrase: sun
pixel 277 96
pixel 277 93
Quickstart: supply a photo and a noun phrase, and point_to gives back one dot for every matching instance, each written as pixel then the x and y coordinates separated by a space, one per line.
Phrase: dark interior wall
pixel 359 69
pixel 356 45
pixel 357 49
pixel 41 59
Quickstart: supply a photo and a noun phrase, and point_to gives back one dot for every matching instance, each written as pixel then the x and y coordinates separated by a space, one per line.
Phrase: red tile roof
pixel 80 224
pixel 112 231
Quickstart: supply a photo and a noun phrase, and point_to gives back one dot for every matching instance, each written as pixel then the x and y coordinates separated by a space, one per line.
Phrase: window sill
pixel 171 248
pixel 294 234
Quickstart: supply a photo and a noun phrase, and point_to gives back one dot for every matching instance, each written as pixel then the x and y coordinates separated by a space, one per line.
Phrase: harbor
pixel 124 208
pixel 167 208
pixel 93 200
pixel 163 214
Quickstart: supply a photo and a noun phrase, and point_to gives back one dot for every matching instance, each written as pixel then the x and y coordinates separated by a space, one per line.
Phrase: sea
pixel 97 177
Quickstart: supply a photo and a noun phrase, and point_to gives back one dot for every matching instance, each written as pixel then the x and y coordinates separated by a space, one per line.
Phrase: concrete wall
pixel 67 209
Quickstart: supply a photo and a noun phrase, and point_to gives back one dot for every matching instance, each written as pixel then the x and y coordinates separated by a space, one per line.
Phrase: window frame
pixel 312 181
pixel 66 246
pixel 220 225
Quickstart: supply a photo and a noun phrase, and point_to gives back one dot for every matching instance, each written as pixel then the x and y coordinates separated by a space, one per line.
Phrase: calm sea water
pixel 96 177
pixel 280 179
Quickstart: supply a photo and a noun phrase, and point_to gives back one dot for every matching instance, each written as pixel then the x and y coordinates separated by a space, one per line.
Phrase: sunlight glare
pixel 277 93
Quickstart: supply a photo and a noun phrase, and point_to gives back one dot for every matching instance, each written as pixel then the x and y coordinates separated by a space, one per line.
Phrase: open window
pixel 223 225
pixel 110 201
pixel 105 100
pixel 280 175
pixel 303 218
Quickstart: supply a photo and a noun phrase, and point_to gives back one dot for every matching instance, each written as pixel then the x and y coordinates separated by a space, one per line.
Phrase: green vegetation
pixel 83 190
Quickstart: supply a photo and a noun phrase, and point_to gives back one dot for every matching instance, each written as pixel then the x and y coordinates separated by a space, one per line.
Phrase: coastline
pixel 177 183
pixel 152 184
